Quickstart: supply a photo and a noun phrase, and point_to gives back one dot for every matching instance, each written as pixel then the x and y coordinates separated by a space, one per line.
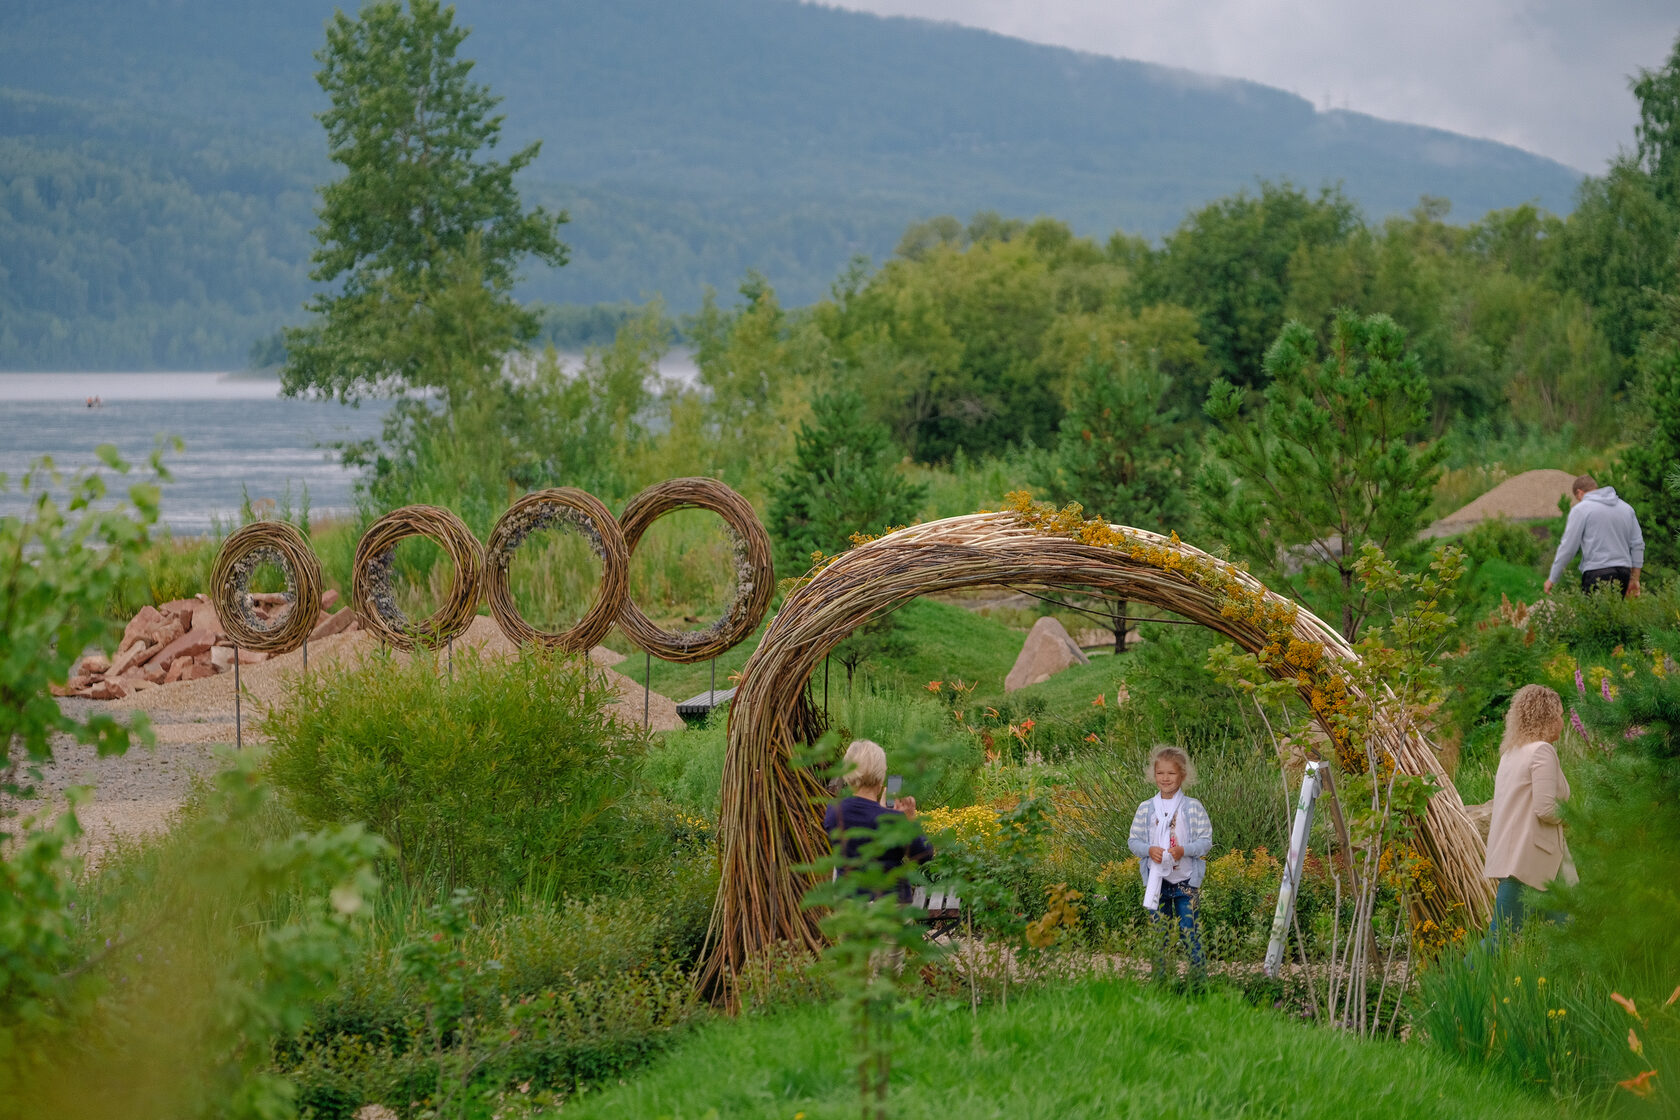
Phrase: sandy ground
pixel 136 794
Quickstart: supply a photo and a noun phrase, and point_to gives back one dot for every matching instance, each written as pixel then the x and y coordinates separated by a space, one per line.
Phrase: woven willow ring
pixel 370 588
pixel 548 509
pixel 247 549
pixel 755 575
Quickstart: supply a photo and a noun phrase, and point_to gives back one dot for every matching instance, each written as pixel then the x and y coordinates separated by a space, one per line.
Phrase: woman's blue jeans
pixel 1180 901
pixel 1510 909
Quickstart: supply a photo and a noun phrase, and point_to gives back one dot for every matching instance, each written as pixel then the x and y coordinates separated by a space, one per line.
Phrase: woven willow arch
pixel 767 825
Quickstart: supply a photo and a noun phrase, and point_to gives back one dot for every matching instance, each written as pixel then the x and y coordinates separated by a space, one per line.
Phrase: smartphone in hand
pixel 895 783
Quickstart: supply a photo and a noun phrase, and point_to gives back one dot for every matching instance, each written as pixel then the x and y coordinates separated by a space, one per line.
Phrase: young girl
pixel 1171 836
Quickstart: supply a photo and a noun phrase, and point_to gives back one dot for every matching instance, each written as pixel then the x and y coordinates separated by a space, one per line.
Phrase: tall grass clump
pixel 495 775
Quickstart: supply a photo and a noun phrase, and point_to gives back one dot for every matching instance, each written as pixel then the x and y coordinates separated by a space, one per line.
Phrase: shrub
pixel 499 775
pixel 1500 538
pixel 532 1004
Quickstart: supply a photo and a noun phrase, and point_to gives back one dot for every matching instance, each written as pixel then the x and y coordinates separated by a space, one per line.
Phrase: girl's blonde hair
pixel 1178 756
pixel 1535 715
pixel 866 764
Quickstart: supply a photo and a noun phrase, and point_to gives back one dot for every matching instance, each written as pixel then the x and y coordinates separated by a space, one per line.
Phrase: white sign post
pixel 1311 784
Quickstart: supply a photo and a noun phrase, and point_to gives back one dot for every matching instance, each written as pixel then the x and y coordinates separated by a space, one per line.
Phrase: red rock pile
pixel 183 640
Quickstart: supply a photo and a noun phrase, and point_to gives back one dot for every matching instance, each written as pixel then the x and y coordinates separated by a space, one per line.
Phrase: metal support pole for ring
pixel 238 729
pixel 647 685
pixel 305 655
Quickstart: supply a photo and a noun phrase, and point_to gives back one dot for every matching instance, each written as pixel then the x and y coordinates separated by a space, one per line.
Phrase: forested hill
pixel 156 156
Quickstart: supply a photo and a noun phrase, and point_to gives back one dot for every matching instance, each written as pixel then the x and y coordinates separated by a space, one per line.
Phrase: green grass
pixel 1097 1049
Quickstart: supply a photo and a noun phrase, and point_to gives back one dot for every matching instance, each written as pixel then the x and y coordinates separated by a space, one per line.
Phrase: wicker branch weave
pixel 755 573
pixel 767 825
pixel 248 548
pixel 370 588
pixel 546 509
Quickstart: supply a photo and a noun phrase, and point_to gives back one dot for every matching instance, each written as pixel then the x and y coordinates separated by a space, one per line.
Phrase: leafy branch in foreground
pixel 60 563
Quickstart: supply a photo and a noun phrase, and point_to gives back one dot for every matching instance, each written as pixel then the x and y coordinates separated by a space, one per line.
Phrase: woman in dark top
pixel 866 774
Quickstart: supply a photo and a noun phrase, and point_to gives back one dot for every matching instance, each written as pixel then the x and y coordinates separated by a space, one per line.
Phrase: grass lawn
pixel 1105 1048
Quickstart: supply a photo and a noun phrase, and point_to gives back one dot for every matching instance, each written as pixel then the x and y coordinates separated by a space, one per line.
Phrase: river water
pixel 241 437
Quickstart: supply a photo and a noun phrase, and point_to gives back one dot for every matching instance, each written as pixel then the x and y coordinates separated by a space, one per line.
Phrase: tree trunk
pixel 1120 625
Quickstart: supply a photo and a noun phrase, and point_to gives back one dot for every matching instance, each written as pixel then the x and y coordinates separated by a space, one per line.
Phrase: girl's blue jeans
pixel 1180 901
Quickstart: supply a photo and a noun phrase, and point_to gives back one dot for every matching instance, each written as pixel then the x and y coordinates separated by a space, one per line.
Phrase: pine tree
pixel 1121 453
pixel 842 481
pixel 1327 461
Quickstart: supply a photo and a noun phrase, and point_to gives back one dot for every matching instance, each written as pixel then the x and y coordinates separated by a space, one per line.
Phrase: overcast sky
pixel 1546 75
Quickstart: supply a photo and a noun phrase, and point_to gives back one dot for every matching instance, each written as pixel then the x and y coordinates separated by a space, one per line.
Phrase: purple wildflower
pixel 1575 722
pixel 1604 686
pixel 1580 682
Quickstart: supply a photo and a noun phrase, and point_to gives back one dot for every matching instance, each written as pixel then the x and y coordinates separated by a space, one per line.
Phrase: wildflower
pixel 1027 725
pixel 1580 681
pixel 1516 981
pixel 1507 999
pixel 1575 722
pixel 1540 983
pixel 1640 1086
pixel 1604 687
pixel 1099 702
pixel 1092 738
pixel 1556 1013
pixel 933 686
pixel 1634 1043
pixel 1626 1003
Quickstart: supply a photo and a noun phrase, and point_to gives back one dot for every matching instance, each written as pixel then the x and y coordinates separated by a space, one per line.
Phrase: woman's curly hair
pixel 1535 715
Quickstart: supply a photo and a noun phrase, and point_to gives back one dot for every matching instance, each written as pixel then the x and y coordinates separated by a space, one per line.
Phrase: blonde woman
pixel 1525 846
pixel 865 771
pixel 1172 836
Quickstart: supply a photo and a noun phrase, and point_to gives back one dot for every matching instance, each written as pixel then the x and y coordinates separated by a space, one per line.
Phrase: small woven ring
pixel 545 509
pixel 248 548
pixel 755 573
pixel 370 589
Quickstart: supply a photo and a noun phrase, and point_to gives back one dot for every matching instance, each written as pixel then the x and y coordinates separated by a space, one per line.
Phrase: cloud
pixel 1550 76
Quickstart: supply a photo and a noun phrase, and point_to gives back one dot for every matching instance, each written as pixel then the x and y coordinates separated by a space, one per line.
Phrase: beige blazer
pixel 1525 837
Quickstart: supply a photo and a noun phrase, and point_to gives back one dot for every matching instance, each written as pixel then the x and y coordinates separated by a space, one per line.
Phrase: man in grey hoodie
pixel 1605 531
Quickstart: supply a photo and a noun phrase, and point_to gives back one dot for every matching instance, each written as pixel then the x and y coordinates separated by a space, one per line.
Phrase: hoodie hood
pixel 1604 494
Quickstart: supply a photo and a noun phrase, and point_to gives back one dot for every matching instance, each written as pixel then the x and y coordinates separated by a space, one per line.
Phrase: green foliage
pixel 1646 463
pixel 1499 538
pixel 1481 680
pixel 842 482
pixel 1538 1021
pixel 1121 452
pixel 421 235
pixel 1327 463
pixel 60 563
pixel 418 752
pixel 203 947
pixel 1229 262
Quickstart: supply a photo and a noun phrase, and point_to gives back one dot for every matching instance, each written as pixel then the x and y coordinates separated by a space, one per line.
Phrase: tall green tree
pixel 419 206
pixel 842 481
pixel 1121 452
pixel 1326 462
pixel 1229 262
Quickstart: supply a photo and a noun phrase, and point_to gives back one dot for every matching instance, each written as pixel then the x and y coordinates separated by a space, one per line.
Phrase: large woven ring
pixel 247 549
pixel 370 588
pixel 545 509
pixel 755 574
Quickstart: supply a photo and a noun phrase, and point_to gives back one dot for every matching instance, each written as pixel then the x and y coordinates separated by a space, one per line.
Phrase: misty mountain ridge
pixel 690 140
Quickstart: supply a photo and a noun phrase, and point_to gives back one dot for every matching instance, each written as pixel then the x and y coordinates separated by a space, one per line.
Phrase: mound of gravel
pixel 1530 496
